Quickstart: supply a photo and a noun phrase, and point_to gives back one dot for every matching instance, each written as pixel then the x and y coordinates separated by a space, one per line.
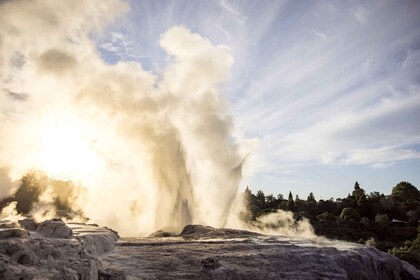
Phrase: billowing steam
pixel 153 152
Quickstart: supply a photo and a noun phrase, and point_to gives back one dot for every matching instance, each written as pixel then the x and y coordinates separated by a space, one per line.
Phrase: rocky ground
pixel 207 253
pixel 55 250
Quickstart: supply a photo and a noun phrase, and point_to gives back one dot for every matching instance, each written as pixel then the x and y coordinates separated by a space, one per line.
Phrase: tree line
pixel 388 222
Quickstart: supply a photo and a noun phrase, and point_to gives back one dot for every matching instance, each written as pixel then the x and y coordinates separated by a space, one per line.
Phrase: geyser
pixel 152 151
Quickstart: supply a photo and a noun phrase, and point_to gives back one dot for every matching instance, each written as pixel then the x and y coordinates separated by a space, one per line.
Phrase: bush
pixel 349 214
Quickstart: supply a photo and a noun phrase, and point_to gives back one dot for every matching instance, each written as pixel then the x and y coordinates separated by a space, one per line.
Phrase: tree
pixel 350 214
pixel 358 191
pixel 290 202
pixel 249 213
pixel 382 220
pixel 260 199
pixel 270 198
pixel 311 197
pixel 405 192
pixel 326 218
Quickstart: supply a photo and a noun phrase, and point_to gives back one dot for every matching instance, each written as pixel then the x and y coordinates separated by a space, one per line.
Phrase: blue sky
pixel 328 91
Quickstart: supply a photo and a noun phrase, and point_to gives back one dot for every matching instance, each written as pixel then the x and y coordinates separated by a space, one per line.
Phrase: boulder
pixel 196 229
pixel 8 224
pixel 13 232
pixel 207 232
pixel 28 224
pixel 161 233
pixel 55 228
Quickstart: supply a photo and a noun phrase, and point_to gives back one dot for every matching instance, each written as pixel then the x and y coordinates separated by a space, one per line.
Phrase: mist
pixel 147 151
pixel 151 151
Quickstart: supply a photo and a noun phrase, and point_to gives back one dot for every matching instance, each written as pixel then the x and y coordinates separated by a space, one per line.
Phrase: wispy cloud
pixel 118 44
pixel 226 6
pixel 320 34
pixel 361 14
pixel 382 165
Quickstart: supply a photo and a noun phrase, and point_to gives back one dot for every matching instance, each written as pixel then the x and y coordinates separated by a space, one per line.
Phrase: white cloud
pixel 320 34
pixel 382 165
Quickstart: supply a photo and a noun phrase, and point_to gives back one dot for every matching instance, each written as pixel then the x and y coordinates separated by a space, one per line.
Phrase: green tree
pixel 260 199
pixel 326 218
pixel 357 192
pixel 270 198
pixel 311 197
pixel 249 213
pixel 382 220
pixel 290 202
pixel 349 214
pixel 405 192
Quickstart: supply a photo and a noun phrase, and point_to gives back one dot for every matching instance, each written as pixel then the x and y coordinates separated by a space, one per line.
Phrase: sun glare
pixel 66 154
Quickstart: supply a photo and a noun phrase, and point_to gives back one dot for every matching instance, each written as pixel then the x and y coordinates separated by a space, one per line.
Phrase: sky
pixel 315 95
pixel 325 93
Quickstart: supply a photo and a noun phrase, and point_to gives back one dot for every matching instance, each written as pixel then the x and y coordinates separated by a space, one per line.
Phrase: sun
pixel 67 154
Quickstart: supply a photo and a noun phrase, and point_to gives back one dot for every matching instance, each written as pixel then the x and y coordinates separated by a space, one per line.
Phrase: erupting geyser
pixel 152 150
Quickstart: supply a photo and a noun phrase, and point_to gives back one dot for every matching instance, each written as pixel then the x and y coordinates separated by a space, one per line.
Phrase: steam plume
pixel 153 152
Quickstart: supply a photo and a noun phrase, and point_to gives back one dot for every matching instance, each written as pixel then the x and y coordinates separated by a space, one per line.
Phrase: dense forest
pixel 388 222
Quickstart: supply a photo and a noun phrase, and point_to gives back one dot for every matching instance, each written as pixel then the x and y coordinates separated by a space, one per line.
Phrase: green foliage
pixel 327 218
pixel 382 220
pixel 341 218
pixel 290 202
pixel 405 192
pixel 349 214
pixel 410 252
pixel 311 197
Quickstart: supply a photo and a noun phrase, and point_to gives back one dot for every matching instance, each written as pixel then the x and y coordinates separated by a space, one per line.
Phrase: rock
pixel 195 229
pixel 69 274
pixel 55 228
pixel 161 233
pixel 211 268
pixel 28 224
pixel 4 261
pixel 111 274
pixel 27 257
pixel 207 232
pixel 8 224
pixel 256 257
pixel 95 244
pixel 209 263
pixel 13 232
pixel 56 258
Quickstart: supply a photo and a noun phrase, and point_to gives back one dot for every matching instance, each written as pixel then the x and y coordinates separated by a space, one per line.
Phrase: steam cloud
pixel 153 152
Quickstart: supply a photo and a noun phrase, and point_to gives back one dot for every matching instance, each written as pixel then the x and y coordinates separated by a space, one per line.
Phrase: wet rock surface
pixel 54 250
pixel 54 228
pixel 207 253
pixel 198 252
pixel 207 232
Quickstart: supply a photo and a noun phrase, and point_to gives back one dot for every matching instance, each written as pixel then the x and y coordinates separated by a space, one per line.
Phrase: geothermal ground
pixel 54 250
pixel 205 253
